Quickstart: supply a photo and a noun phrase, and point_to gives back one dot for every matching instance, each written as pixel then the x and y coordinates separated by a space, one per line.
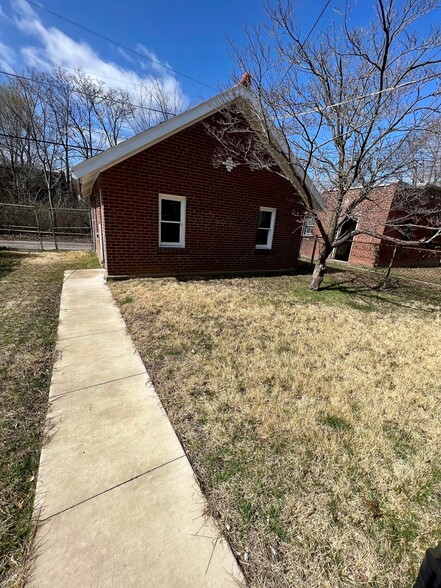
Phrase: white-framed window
pixel 171 221
pixel 265 228
pixel 308 226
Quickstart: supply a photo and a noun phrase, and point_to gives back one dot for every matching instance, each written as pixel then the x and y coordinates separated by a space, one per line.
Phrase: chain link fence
pixel 43 227
pixel 390 264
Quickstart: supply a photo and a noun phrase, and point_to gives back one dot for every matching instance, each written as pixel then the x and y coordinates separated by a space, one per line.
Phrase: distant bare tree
pixel 348 103
pixel 18 176
pixel 49 121
pixel 43 132
pixel 113 110
pixel 426 165
pixel 85 134
pixel 63 96
pixel 158 100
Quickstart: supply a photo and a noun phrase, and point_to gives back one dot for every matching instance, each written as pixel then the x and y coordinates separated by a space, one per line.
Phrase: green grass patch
pixel 30 288
pixel 336 422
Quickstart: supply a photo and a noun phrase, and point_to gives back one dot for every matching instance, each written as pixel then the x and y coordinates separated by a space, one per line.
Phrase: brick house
pixel 377 214
pixel 161 206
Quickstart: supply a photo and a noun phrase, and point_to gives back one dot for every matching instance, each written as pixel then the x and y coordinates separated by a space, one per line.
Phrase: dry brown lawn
pixel 426 275
pixel 312 420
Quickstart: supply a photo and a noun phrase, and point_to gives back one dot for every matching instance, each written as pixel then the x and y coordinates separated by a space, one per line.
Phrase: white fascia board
pixel 88 171
pixel 95 165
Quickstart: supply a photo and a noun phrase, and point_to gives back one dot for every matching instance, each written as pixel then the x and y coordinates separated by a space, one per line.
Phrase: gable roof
pixel 86 173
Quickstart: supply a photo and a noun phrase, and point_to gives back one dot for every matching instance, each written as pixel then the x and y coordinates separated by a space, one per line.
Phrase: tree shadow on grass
pixel 303 269
pixel 10 261
pixel 371 291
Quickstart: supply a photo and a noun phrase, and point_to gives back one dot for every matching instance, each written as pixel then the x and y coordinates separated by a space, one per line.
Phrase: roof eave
pixel 89 169
pixel 86 173
pixel 283 155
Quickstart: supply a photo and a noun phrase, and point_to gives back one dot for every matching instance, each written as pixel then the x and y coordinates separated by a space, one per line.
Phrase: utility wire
pixel 120 45
pixel 297 114
pixel 47 141
pixel 110 100
pixel 362 97
pixel 317 20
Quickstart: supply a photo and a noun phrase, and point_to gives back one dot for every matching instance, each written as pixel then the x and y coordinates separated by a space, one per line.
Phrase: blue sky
pixel 189 36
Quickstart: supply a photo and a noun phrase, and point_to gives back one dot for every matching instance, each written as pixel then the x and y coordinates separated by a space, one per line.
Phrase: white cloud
pixel 53 47
pixel 154 62
pixel 125 54
pixel 7 57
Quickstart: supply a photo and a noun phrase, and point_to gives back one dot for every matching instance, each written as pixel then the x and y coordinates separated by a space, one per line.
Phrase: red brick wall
pixel 371 214
pixel 371 251
pixel 414 256
pixel 222 211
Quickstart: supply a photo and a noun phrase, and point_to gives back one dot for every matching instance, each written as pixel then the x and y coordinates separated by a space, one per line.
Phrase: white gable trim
pixel 86 173
pixel 88 170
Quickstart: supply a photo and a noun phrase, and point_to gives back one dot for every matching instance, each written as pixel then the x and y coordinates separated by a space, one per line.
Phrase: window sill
pixel 263 251
pixel 172 250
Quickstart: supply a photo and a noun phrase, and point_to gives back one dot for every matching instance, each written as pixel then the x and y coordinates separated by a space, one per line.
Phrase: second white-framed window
pixel 308 226
pixel 265 228
pixel 172 220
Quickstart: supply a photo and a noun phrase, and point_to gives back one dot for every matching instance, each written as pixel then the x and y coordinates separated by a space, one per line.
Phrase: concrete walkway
pixel 117 500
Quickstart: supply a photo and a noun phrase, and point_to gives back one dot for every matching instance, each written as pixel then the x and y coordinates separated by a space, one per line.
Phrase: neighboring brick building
pixel 377 214
pixel 161 206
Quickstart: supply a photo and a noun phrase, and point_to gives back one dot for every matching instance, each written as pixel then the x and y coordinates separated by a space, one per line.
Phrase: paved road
pixel 47 245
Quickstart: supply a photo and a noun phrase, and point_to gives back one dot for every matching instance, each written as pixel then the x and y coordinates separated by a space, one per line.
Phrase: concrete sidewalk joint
pixel 112 488
pixel 61 394
pixel 117 500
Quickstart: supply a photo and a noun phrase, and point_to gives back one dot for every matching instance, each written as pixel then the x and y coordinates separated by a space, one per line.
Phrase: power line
pixel 138 53
pixel 47 141
pixel 317 20
pixel 111 100
pixel 101 77
pixel 363 96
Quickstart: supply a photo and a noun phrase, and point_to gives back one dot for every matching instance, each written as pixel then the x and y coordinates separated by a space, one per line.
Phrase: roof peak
pixel 86 173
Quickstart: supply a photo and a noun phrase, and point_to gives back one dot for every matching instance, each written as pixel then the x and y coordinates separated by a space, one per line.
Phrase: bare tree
pixel 63 97
pixel 17 174
pixel 157 100
pixel 426 151
pixel 43 133
pixel 113 111
pixel 85 135
pixel 50 120
pixel 349 104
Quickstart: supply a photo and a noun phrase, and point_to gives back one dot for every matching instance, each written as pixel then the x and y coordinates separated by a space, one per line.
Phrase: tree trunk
pixel 319 270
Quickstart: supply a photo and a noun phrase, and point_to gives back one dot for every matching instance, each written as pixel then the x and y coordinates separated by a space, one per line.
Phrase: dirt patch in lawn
pixel 30 288
pixel 312 420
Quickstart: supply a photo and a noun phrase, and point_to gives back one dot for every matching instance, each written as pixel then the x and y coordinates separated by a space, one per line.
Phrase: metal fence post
pixel 54 227
pixel 92 229
pixel 37 220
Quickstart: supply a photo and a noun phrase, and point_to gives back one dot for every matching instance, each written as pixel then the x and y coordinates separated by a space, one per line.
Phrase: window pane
pixel 170 233
pixel 308 226
pixel 170 210
pixel 262 236
pixel 265 219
